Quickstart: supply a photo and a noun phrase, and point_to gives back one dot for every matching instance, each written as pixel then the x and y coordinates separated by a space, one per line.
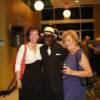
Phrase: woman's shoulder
pixel 79 53
pixel 79 50
pixel 21 46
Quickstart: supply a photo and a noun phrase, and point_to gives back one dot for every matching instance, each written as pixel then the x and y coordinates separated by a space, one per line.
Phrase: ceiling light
pixel 38 5
pixel 76 1
pixel 66 13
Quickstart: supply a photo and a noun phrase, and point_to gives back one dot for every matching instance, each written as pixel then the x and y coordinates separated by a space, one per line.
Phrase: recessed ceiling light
pixel 76 1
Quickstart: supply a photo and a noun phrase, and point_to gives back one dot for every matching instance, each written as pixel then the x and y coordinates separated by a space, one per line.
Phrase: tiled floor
pixel 94 94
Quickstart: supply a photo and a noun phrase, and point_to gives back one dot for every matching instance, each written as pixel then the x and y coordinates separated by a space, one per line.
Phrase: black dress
pixel 31 82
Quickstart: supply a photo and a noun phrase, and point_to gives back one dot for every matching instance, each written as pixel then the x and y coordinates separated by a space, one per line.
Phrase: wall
pixel 14 12
pixel 97 21
pixel 3 50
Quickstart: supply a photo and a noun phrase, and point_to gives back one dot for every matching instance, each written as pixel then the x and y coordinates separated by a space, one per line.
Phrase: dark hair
pixel 28 32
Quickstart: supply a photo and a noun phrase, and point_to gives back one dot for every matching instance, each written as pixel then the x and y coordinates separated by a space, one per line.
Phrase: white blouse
pixel 31 56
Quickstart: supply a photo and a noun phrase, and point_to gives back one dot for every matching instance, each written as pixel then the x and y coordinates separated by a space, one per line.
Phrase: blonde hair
pixel 71 33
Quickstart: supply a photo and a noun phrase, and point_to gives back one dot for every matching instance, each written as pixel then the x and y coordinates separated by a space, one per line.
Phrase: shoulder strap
pixel 24 55
pixel 23 63
pixel 78 58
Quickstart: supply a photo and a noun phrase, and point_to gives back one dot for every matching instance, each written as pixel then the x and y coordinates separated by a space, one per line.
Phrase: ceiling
pixel 60 3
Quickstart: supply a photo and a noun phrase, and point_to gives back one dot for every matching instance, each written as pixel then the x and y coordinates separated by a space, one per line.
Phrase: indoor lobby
pixel 17 16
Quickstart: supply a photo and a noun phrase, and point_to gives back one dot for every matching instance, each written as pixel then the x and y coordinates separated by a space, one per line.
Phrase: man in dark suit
pixel 53 55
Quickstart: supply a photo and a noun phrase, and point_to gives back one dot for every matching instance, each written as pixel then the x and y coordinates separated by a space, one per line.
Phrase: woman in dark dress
pixel 30 84
pixel 73 90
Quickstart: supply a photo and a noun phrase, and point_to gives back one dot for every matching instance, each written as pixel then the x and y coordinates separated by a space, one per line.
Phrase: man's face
pixel 48 39
pixel 87 39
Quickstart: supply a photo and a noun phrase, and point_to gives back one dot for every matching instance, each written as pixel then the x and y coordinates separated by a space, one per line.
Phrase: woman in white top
pixel 30 84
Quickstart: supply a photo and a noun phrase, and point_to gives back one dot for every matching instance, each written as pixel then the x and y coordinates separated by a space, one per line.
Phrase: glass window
pixel 87 25
pixel 89 33
pixel 75 13
pixel 47 14
pixel 59 13
pixel 74 26
pixel 86 12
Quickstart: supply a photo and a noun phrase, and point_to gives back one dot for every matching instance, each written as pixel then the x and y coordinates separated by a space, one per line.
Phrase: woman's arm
pixel 17 65
pixel 19 84
pixel 84 63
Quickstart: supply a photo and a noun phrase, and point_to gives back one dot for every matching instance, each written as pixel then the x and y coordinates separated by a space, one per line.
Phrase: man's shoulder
pixel 60 47
pixel 43 47
pixel 56 44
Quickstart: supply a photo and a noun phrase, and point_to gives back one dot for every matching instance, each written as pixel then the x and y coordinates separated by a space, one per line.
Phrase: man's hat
pixel 49 30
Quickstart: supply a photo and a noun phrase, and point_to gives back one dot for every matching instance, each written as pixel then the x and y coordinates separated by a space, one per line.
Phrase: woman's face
pixel 69 43
pixel 34 36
